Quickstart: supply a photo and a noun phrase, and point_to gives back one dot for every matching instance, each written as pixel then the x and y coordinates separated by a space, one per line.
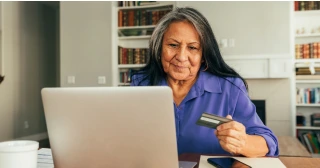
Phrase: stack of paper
pixel 45 158
pixel 262 162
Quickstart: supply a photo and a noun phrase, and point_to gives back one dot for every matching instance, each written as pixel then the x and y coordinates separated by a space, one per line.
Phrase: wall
pixel 85 34
pixel 259 28
pixel 29 52
pixel 276 94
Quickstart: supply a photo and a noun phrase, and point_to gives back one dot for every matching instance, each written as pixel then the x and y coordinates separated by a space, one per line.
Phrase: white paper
pixel 45 158
pixel 262 162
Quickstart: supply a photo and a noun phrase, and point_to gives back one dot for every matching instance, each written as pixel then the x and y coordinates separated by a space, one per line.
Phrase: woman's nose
pixel 182 54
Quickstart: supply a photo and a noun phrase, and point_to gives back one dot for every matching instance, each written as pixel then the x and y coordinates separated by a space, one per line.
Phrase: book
pixel 45 159
pixel 308 144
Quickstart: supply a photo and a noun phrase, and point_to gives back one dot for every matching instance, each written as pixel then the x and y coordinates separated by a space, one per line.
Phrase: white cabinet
pixel 261 67
pixel 280 68
pixel 250 68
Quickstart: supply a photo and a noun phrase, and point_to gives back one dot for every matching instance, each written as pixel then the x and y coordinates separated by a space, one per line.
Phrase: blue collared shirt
pixel 219 96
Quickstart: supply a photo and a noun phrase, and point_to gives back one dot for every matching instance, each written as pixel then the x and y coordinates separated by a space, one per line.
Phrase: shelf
pixel 308 127
pixel 161 5
pixel 134 37
pixel 137 27
pixel 317 60
pixel 308 105
pixel 308 81
pixel 307 13
pixel 131 65
pixel 308 35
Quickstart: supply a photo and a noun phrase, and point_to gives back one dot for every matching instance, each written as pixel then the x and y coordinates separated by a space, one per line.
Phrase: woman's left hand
pixel 232 136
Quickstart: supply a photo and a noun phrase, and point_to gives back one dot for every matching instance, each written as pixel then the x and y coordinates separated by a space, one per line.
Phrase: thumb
pixel 229 116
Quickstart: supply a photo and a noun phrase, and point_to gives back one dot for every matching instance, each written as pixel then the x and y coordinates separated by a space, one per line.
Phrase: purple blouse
pixel 220 96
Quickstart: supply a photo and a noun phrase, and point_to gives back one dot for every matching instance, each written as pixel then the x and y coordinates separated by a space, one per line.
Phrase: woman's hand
pixel 232 136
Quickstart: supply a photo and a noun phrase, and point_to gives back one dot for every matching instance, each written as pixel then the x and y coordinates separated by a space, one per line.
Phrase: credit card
pixel 211 120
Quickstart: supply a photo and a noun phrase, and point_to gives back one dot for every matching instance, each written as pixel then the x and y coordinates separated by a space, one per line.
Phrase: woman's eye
pixel 173 45
pixel 193 48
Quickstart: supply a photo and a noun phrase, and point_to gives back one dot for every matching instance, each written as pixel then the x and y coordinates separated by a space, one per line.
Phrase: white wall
pixel 276 94
pixel 85 34
pixel 29 66
pixel 257 27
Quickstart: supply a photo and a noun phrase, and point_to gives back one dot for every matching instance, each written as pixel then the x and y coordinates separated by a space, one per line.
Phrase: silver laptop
pixel 111 127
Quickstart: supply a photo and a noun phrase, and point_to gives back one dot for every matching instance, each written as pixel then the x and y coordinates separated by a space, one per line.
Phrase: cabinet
pixel 307 66
pixel 135 25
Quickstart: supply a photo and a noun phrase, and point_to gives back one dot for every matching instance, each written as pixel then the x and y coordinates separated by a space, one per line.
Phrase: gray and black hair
pixel 212 60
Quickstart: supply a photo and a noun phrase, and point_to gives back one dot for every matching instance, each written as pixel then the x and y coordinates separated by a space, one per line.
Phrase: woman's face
pixel 181 51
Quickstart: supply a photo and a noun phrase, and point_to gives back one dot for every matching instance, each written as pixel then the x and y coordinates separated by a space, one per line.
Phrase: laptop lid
pixel 127 127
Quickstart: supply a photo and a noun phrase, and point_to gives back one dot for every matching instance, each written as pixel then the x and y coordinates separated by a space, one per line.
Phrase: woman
pixel 184 55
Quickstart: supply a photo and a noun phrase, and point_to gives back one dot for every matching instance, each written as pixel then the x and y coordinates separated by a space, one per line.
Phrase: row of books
pixel 315 119
pixel 135 32
pixel 132 55
pixel 140 17
pixel 306 51
pixel 306 5
pixel 136 3
pixel 306 71
pixel 308 95
pixel 310 139
pixel 125 76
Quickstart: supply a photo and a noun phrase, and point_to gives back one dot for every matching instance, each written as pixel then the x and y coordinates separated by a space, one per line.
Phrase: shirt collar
pixel 206 81
pixel 209 82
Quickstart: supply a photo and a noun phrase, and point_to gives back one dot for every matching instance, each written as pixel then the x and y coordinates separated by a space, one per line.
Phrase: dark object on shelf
pixel 315 119
pixel 1 78
pixel 301 120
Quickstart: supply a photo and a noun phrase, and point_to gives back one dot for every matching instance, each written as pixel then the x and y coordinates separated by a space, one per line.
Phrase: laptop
pixel 116 127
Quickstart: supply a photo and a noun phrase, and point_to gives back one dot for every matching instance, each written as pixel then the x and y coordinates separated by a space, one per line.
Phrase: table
pixel 291 146
pixel 289 162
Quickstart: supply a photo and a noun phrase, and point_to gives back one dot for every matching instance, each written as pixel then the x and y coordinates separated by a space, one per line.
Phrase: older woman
pixel 184 55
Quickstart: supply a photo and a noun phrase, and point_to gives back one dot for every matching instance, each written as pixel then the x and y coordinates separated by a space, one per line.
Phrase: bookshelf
pixel 308 35
pixel 306 24
pixel 134 26
pixel 308 128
